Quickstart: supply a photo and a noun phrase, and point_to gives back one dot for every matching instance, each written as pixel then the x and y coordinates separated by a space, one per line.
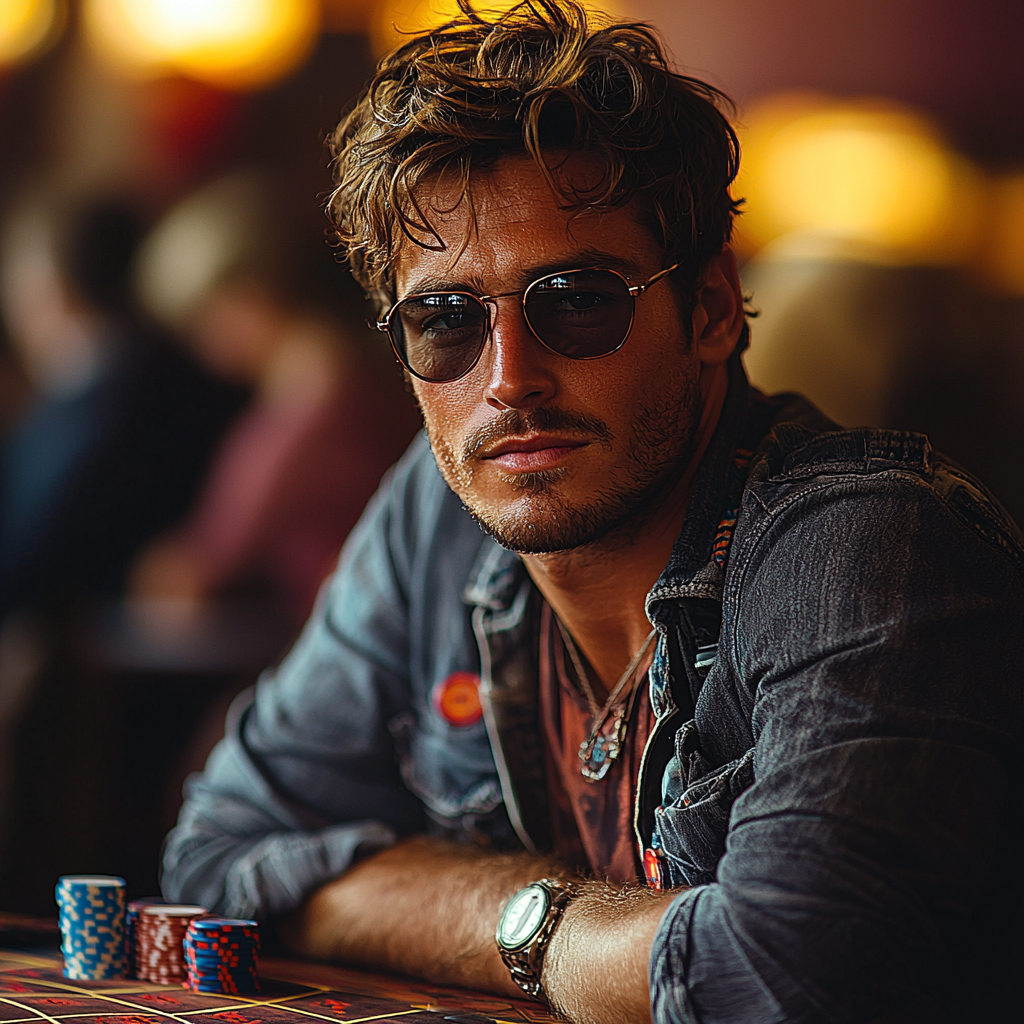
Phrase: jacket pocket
pixel 692 822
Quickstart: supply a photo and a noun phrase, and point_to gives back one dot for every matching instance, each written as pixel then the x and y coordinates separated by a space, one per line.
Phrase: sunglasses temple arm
pixel 639 289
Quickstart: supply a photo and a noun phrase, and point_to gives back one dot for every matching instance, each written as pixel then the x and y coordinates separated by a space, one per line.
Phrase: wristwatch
pixel 525 929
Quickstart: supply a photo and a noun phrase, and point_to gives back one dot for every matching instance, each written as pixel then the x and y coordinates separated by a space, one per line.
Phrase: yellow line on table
pixel 296 1009
pixel 101 995
pixel 381 1016
pixel 40 1014
pixel 242 1003
pixel 239 1003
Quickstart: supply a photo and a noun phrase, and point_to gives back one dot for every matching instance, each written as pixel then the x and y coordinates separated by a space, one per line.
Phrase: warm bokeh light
pixel 1002 256
pixel 235 44
pixel 26 26
pixel 864 174
pixel 394 21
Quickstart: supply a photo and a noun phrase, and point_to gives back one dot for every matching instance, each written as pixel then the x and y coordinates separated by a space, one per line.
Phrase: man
pixel 821 759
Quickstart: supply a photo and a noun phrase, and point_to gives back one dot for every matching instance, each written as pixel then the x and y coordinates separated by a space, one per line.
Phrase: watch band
pixel 526 962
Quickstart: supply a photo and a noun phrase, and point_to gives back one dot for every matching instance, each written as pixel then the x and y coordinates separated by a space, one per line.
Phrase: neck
pixel 599 591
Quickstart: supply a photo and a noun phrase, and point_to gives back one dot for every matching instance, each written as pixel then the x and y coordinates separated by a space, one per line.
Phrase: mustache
pixel 540 420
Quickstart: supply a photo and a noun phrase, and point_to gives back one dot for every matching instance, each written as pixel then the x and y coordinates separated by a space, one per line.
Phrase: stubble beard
pixel 541 520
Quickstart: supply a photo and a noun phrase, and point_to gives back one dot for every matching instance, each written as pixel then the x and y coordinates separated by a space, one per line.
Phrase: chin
pixel 544 524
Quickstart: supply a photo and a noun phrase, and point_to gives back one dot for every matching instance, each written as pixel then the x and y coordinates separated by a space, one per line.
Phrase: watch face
pixel 523 916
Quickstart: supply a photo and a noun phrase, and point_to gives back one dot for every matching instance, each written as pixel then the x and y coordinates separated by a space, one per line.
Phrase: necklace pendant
pixel 599 753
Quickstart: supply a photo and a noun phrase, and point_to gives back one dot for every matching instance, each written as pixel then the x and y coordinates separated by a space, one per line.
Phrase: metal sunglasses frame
pixel 487 300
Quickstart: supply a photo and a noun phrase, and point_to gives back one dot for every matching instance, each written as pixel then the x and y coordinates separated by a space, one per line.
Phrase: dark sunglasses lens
pixel 439 337
pixel 584 314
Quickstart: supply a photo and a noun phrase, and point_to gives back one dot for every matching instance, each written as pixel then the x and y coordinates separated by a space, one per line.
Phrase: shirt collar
pixel 689 572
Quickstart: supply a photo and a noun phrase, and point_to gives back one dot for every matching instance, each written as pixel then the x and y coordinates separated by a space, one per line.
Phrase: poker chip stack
pixel 223 955
pixel 92 911
pixel 160 942
pixel 134 909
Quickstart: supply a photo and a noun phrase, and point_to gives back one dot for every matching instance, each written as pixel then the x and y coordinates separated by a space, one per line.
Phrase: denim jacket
pixel 834 772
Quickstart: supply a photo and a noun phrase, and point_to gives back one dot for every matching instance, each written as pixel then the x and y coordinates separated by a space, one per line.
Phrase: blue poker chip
pixel 231 984
pixel 244 956
pixel 222 947
pixel 244 959
pixel 225 990
pixel 224 952
pixel 205 924
pixel 222 955
pixel 208 972
pixel 218 960
pixel 92 924
pixel 211 971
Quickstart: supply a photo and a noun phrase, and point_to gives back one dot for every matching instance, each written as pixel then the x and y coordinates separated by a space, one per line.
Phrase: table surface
pixel 33 990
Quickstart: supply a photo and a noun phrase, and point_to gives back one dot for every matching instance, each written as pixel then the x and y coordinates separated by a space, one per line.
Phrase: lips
pixel 529 454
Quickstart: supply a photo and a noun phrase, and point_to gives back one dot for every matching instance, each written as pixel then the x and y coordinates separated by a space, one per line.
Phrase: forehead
pixel 511 225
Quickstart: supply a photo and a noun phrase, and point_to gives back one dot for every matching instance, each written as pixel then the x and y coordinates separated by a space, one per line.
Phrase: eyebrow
pixel 584 258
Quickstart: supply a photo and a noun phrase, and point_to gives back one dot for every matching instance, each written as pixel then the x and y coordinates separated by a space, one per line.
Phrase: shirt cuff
pixel 701 969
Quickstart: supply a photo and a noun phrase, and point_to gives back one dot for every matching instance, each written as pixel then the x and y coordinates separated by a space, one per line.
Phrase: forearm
pixel 596 970
pixel 424 908
pixel 430 909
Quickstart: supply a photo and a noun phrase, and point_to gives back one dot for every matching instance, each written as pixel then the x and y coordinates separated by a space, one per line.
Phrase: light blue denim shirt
pixel 841 790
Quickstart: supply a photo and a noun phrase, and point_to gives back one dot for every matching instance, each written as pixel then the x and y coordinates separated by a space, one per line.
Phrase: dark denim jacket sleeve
pixel 307 773
pixel 871 645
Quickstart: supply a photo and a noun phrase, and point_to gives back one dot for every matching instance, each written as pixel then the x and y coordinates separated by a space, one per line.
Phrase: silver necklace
pixel 604 744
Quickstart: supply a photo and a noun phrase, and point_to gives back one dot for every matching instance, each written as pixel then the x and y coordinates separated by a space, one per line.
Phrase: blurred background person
pixel 116 440
pixel 328 416
pixel 113 443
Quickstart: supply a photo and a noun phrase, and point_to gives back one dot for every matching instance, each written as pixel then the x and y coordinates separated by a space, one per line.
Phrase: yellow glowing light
pixel 866 174
pixel 238 44
pixel 394 21
pixel 25 26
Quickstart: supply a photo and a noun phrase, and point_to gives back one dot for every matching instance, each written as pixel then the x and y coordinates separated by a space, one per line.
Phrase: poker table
pixel 33 990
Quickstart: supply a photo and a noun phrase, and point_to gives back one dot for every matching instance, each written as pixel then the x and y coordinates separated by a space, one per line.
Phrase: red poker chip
pixel 159 950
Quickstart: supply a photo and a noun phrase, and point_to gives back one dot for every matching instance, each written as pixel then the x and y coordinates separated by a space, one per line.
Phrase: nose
pixel 519 370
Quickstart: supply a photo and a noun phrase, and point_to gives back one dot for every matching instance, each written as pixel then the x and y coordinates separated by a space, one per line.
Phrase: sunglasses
pixel 580 314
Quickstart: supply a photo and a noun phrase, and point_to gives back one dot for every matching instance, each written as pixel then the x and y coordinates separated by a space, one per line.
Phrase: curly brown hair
pixel 541 79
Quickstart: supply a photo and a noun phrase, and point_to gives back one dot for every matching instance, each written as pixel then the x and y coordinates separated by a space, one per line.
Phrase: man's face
pixel 551 453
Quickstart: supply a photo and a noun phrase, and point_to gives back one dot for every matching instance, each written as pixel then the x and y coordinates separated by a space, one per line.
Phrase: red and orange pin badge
pixel 457 699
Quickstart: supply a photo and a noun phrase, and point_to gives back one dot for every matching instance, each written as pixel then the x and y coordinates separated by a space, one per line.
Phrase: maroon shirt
pixel 592 821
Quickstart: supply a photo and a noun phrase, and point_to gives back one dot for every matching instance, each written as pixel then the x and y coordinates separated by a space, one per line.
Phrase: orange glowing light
pixel 394 21
pixel 1002 256
pixel 870 175
pixel 235 44
pixel 26 26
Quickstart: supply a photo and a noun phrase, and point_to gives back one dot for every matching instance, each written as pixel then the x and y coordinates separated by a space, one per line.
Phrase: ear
pixel 718 311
